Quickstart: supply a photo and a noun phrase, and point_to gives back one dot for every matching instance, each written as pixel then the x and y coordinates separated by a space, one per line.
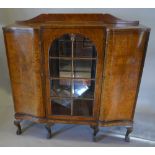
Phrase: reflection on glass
pixel 61 88
pixel 82 107
pixel 61 106
pixel 83 88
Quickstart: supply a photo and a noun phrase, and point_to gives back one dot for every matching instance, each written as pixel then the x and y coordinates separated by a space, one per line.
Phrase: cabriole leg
pixel 17 124
pixel 48 128
pixel 129 130
pixel 96 130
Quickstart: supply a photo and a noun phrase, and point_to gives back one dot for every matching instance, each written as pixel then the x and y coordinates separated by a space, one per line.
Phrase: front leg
pixel 129 130
pixel 48 128
pixel 96 130
pixel 17 124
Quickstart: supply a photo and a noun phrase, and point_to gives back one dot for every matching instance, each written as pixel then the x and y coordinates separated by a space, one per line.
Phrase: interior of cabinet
pixel 72 65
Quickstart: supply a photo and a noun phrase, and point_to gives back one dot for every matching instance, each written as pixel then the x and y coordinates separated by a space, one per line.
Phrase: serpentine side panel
pixel 24 61
pixel 125 54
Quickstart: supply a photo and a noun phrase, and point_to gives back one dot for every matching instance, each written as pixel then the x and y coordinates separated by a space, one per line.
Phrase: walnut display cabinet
pixel 76 69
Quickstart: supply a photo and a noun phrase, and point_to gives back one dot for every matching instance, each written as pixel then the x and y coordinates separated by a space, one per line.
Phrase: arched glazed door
pixel 72 71
pixel 72 64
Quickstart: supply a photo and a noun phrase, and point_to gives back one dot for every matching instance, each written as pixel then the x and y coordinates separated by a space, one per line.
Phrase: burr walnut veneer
pixel 76 68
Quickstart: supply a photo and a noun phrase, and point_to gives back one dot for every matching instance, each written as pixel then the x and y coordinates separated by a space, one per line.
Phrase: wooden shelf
pixel 70 78
pixel 71 98
pixel 74 58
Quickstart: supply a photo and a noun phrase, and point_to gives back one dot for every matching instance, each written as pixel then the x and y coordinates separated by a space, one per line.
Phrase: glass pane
pixel 85 49
pixel 54 50
pixel 83 88
pixel 61 106
pixel 60 68
pixel 84 68
pixel 65 48
pixel 82 107
pixel 61 47
pixel 61 88
pixel 65 68
pixel 72 66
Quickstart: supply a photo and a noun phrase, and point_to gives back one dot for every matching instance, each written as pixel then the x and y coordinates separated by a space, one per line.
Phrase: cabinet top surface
pixel 74 20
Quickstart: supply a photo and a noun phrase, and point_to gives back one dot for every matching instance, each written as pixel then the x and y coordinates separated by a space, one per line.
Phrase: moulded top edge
pixel 121 28
pixel 105 18
pixel 108 27
pixel 21 27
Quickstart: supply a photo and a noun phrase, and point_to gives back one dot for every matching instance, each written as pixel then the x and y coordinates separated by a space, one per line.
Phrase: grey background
pixel 145 111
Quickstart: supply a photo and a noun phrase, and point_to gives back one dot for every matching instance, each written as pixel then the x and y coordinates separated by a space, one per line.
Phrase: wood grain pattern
pixel 124 54
pixel 24 62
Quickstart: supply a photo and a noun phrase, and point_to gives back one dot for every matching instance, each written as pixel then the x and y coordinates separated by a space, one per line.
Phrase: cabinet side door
pixel 24 61
pixel 125 54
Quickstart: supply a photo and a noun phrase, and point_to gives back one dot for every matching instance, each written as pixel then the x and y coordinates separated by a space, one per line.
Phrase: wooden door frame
pixel 97 36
